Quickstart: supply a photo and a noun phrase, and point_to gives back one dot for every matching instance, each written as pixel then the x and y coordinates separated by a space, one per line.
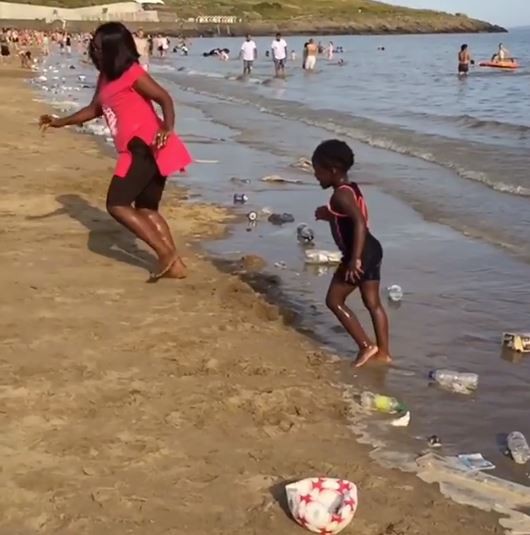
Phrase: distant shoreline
pixel 190 29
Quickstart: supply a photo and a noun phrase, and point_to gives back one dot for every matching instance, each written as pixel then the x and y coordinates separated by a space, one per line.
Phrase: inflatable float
pixel 508 64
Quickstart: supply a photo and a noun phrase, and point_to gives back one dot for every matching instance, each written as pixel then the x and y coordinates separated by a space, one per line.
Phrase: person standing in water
pixel 249 53
pixel 347 215
pixel 464 60
pixel 279 55
pixel 148 149
pixel 142 45
pixel 311 58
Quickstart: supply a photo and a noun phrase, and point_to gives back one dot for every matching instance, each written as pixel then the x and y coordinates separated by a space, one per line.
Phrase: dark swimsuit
pixel 343 232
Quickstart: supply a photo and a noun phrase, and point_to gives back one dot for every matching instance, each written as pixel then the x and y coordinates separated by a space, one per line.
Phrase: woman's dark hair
pixel 334 154
pixel 113 50
pixel 464 47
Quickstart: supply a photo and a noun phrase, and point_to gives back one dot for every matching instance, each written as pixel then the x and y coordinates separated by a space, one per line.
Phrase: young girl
pixel 148 149
pixel 362 253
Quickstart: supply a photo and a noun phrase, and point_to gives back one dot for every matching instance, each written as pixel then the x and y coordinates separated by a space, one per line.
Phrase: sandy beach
pixel 169 408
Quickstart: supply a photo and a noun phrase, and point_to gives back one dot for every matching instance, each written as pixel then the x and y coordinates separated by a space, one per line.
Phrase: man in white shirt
pixel 279 55
pixel 249 53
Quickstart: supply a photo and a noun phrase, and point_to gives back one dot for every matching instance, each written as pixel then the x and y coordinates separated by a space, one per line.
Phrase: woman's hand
pixel 322 213
pixel 161 138
pixel 47 121
pixel 354 271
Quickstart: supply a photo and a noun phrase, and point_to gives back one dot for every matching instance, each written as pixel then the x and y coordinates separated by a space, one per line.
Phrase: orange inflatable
pixel 507 64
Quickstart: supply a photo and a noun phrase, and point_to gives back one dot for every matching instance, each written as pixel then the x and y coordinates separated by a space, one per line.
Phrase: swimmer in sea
pixel 347 215
pixel 464 60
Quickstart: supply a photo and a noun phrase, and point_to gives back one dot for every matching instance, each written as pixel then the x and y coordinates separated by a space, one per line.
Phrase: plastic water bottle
pixel 518 447
pixel 378 402
pixel 455 381
pixel 305 234
pixel 240 198
pixel 395 293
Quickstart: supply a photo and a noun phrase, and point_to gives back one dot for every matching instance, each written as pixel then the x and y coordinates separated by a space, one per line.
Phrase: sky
pixel 504 12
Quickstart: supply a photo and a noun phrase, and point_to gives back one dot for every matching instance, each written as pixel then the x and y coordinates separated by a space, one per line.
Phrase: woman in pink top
pixel 148 149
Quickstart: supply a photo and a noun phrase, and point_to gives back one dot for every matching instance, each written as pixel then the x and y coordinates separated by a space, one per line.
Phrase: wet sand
pixel 177 407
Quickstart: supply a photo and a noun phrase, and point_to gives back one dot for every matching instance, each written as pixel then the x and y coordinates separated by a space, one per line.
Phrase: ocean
pixel 444 164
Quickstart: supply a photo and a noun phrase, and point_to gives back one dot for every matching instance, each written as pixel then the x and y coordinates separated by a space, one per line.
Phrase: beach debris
pixel 42 78
pixel 459 383
pixel 475 462
pixel 519 342
pixel 266 211
pixel 402 421
pixel 281 219
pixel 240 198
pixel 304 164
pixel 281 180
pixel 205 161
pixel 434 441
pixel 395 293
pixel 305 234
pixel 381 403
pixel 321 257
pixel 280 265
pixel 322 504
pixel 252 216
pixel 237 180
pixel 518 447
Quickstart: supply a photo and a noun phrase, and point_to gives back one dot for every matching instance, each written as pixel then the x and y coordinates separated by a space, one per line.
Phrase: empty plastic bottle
pixel 455 381
pixel 305 234
pixel 395 293
pixel 518 447
pixel 378 402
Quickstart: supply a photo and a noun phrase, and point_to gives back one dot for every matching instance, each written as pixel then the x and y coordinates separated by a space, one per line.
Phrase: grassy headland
pixel 320 16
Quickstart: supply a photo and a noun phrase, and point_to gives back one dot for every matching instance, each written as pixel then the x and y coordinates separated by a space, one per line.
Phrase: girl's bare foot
pixel 383 357
pixel 365 355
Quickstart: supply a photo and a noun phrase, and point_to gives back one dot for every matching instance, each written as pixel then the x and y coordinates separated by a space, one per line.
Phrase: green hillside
pixel 362 16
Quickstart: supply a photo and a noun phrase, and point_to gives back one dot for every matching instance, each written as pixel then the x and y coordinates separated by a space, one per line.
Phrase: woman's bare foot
pixel 365 355
pixel 178 270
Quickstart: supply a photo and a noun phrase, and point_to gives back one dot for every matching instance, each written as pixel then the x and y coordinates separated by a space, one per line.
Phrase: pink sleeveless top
pixel 129 114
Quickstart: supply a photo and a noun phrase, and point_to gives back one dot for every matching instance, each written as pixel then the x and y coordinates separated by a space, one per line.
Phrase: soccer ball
pixel 322 505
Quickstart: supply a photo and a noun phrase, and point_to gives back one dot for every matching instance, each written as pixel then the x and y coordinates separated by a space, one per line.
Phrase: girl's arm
pixel 92 111
pixel 151 90
pixel 346 204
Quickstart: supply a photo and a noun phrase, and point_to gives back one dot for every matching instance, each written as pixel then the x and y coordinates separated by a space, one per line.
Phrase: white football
pixel 322 505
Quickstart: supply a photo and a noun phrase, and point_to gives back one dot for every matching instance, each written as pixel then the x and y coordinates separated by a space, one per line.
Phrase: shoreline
pixel 159 413
pixel 462 25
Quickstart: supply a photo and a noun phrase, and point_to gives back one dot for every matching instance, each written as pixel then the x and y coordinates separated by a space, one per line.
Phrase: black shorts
pixel 280 63
pixel 143 184
pixel 371 261
pixel 463 68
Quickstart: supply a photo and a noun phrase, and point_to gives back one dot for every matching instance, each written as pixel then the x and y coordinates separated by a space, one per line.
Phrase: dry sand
pixel 180 407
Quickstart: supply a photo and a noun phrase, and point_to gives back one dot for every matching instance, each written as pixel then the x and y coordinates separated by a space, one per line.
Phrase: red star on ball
pixel 319 485
pixel 306 499
pixel 302 520
pixel 350 502
pixel 326 532
pixel 337 518
pixel 344 486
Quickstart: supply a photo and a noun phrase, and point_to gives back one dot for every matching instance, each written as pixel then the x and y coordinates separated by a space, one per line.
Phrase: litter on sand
pixel 519 342
pixel 322 504
pixel 206 161
pixel 321 257
pixel 403 421
pixel 475 462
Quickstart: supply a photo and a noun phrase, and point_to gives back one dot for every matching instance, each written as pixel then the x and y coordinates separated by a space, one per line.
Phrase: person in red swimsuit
pixel 362 253
pixel 148 148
